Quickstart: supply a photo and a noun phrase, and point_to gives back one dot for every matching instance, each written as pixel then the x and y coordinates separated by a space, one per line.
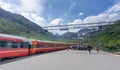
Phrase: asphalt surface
pixel 65 60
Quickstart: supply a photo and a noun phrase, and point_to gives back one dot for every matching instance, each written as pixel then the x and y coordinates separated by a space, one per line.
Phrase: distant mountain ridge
pixel 108 35
pixel 69 35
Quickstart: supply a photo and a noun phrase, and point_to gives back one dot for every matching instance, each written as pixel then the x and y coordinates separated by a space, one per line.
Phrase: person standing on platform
pixel 89 48
pixel 97 48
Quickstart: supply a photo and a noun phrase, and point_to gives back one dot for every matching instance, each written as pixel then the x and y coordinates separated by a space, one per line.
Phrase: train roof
pixel 47 41
pixel 50 42
pixel 14 37
pixel 44 41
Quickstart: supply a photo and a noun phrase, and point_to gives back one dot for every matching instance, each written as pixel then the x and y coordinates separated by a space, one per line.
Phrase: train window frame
pixel 4 43
pixel 15 45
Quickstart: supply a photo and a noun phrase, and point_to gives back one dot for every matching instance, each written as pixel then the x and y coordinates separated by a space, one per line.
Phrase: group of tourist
pixel 85 47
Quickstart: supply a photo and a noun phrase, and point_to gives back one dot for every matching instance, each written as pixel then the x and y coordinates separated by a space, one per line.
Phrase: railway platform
pixel 64 60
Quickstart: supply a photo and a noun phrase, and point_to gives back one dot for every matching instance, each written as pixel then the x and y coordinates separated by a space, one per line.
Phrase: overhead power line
pixel 76 26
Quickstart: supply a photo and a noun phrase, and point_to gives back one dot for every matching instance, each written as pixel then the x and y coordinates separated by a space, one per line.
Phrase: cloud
pixel 77 21
pixel 71 7
pixel 81 13
pixel 56 21
pixel 35 18
pixel 31 9
pixel 102 18
pixel 111 14
pixel 6 5
pixel 33 6
pixel 115 8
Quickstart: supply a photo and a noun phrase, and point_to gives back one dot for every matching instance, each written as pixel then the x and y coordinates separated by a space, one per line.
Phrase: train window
pixel 9 44
pixel 3 44
pixel 21 46
pixel 15 44
pixel 50 45
pixel 25 45
pixel 39 46
pixel 45 46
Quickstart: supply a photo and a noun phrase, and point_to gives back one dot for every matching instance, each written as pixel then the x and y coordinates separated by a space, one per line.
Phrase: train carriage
pixel 47 46
pixel 15 46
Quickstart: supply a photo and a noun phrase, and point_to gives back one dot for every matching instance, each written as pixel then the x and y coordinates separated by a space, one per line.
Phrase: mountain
pixel 80 34
pixel 69 35
pixel 108 38
pixel 15 24
pixel 110 35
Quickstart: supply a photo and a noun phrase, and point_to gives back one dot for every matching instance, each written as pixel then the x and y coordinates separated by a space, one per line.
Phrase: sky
pixel 64 12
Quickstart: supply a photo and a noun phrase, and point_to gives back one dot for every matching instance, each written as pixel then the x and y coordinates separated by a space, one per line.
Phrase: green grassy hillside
pixel 15 24
pixel 108 37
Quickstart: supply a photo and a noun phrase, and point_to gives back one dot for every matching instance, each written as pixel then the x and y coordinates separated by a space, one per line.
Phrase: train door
pixel 34 44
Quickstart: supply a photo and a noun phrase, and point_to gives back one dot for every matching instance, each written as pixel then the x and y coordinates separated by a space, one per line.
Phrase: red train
pixel 14 46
